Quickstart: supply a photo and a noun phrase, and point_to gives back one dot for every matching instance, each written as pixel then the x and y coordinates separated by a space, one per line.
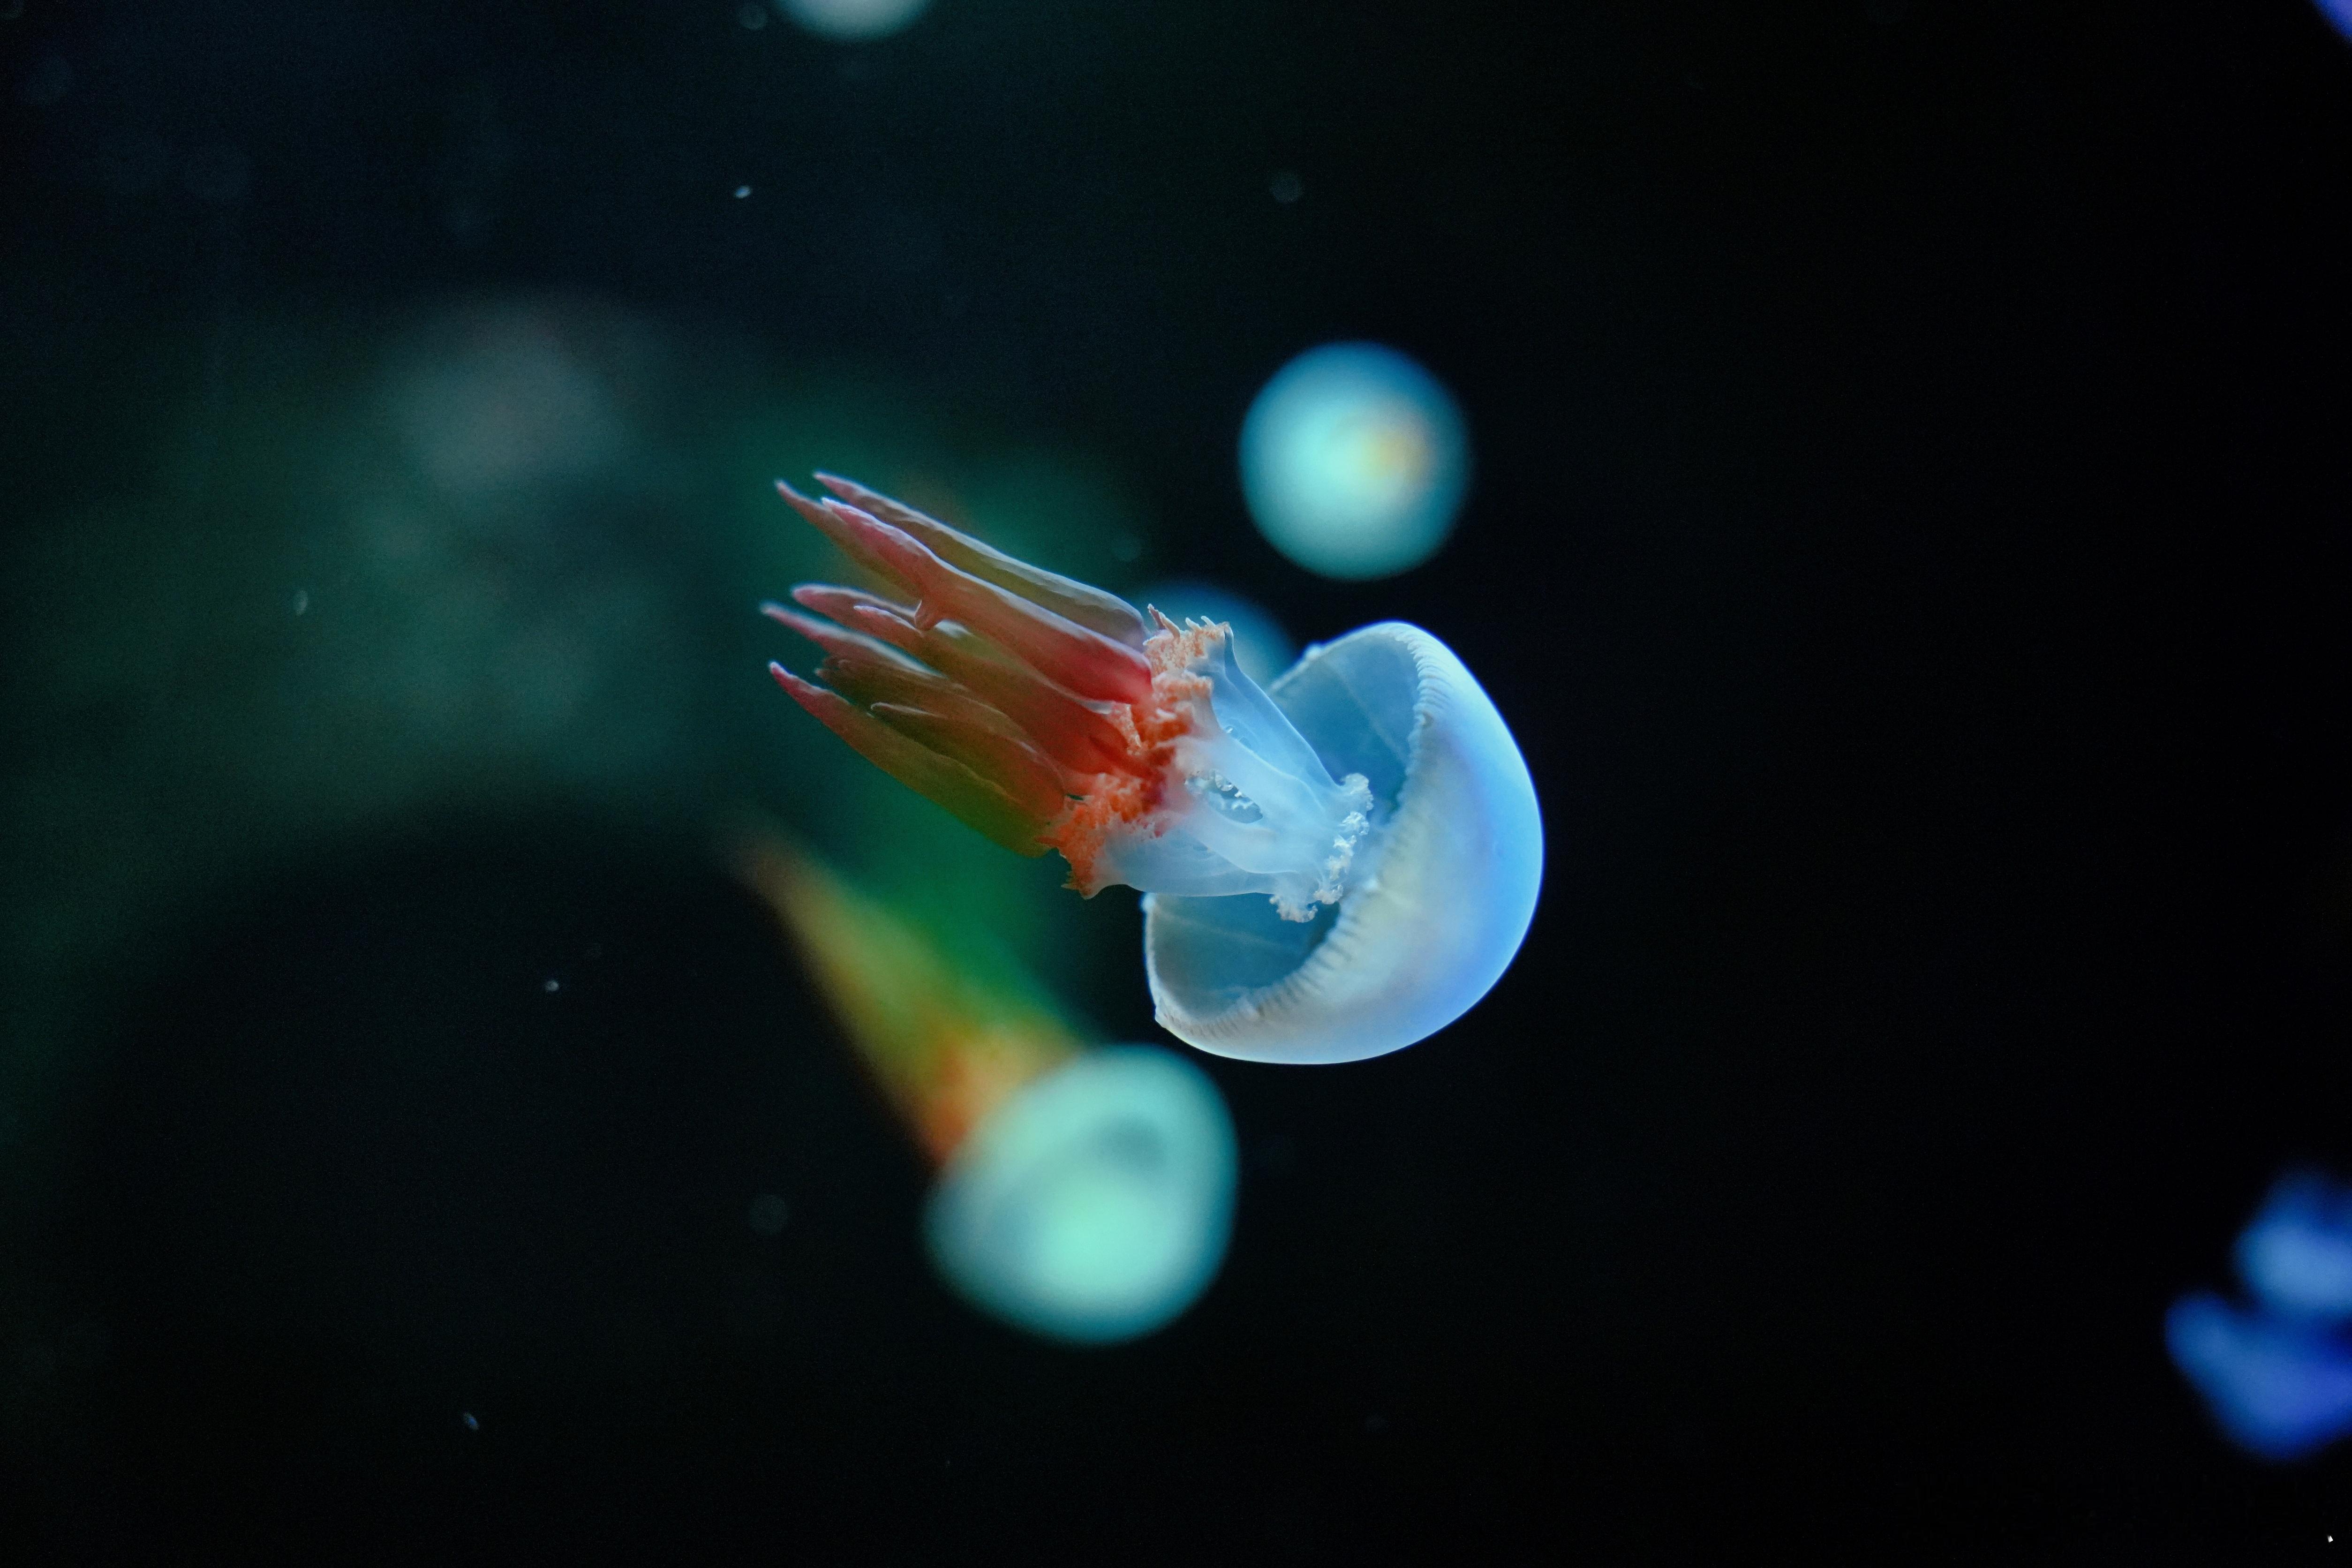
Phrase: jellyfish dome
pixel 852 21
pixel 1354 460
pixel 1093 1205
pixel 1336 867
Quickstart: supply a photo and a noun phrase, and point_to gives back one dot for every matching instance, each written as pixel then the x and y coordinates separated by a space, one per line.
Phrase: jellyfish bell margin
pixel 1335 867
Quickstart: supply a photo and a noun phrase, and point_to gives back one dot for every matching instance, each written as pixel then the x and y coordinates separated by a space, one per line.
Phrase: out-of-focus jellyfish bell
pixel 1354 461
pixel 2339 13
pixel 2278 1377
pixel 1084 1196
pixel 2296 1255
pixel 852 21
pixel 2279 1390
pixel 1093 1204
pixel 1335 866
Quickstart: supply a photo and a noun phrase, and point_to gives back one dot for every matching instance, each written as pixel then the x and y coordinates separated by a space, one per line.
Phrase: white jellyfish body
pixel 1354 460
pixel 1444 892
pixel 1335 869
pixel 1093 1205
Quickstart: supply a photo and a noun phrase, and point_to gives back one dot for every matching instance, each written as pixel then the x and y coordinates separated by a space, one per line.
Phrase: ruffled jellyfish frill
pixel 1084 1196
pixel 1335 867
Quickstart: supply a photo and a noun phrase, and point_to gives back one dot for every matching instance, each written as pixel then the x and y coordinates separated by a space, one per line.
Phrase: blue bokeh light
pixel 1354 461
pixel 2339 13
pixel 2278 1375
pixel 2296 1255
pixel 2280 1390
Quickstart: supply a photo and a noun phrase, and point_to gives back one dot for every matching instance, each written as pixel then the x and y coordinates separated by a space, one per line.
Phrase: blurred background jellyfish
pixel 2339 14
pixel 852 21
pixel 1260 645
pixel 1335 867
pixel 1354 460
pixel 1084 1196
pixel 2278 1375
pixel 2297 1255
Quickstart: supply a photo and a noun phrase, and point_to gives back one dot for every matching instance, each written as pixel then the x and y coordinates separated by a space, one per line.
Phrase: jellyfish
pixel 2339 14
pixel 1334 867
pixel 2278 1375
pixel 1084 1195
pixel 2280 1390
pixel 1354 461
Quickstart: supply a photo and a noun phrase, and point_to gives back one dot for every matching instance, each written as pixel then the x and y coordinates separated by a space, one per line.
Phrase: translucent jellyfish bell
pixel 1084 1196
pixel 1354 461
pixel 1336 867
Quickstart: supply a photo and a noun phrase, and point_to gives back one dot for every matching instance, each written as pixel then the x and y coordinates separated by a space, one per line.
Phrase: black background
pixel 1908 541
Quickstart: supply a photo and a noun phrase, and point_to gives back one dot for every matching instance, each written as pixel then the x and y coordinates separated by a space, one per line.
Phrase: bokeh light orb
pixel 1094 1205
pixel 2297 1255
pixel 1354 461
pixel 852 21
pixel 2338 13
pixel 1261 646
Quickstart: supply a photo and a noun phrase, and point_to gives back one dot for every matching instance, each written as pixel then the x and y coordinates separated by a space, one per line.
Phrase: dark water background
pixel 1909 541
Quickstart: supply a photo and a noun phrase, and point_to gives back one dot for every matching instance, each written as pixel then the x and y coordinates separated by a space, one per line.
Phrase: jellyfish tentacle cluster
pixel 1335 866
pixel 1028 705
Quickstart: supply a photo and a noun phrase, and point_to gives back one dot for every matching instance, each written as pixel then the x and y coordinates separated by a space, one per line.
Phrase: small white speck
pixel 552 986
pixel 471 1424
pixel 1285 186
pixel 301 601
pixel 741 192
